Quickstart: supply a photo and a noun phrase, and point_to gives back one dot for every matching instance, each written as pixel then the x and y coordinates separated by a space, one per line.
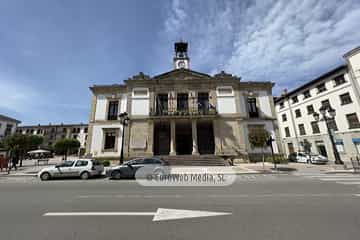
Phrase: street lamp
pixel 124 121
pixel 332 113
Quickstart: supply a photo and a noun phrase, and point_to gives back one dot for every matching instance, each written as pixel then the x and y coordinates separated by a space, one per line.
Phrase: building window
pixel 203 102
pixel 64 130
pixel 315 127
pixel 297 113
pixel 295 99
pixel 321 88
pixel 307 94
pixel 8 129
pixel 339 80
pixel 284 118
pixel 281 104
pixel 325 103
pixel 182 102
pixel 345 98
pixel 339 145
pixel 353 120
pixel 225 91
pixel 287 132
pixel 110 139
pixel 162 104
pixel 332 124
pixel 113 110
pixel 310 109
pixel 302 129
pixel 140 93
pixel 85 130
pixel 253 111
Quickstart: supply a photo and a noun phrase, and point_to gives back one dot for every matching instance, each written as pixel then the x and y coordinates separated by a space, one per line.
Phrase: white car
pixel 299 157
pixel 318 159
pixel 83 168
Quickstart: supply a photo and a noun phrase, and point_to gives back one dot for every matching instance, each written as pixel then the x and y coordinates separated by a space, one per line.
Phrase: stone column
pixel 172 137
pixel 194 138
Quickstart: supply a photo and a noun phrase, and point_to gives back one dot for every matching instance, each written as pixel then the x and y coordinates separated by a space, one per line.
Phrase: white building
pixel 7 126
pixel 338 88
pixel 180 112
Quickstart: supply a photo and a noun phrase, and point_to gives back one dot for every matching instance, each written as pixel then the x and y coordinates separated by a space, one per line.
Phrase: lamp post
pixel 325 111
pixel 124 121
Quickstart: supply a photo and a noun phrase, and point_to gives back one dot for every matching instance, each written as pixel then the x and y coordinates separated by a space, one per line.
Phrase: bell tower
pixel 181 59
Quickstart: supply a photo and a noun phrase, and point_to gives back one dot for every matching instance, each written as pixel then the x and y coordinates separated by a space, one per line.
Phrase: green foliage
pixel 258 157
pixel 258 137
pixel 106 163
pixel 34 142
pixel 66 146
pixel 306 146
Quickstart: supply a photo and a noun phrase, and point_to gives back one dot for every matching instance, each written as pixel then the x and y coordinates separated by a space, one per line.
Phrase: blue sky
pixel 52 51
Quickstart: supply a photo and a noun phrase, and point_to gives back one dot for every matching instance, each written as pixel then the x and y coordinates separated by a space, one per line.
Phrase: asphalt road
pixel 262 207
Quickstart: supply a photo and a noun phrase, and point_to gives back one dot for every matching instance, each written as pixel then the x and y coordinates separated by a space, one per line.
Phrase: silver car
pixel 83 168
pixel 318 159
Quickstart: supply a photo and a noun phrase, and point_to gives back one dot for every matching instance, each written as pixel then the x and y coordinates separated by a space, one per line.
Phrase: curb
pixel 19 175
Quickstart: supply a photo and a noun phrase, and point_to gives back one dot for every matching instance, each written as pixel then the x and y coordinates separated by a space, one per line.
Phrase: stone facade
pixel 180 112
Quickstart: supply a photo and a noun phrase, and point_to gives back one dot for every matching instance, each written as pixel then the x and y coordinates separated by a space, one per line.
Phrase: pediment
pixel 182 74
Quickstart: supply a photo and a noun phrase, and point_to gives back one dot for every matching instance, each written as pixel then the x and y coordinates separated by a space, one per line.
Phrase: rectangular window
pixel 353 120
pixel 113 110
pixel 339 80
pixel 307 94
pixel 8 129
pixel 297 113
pixel 340 145
pixel 332 124
pixel 310 109
pixel 86 130
pixel 182 102
pixel 321 88
pixel 281 105
pixel 325 103
pixel 140 92
pixel 110 139
pixel 253 111
pixel 345 98
pixel 203 102
pixel 284 118
pixel 162 104
pixel 302 129
pixel 315 127
pixel 225 91
pixel 295 99
pixel 287 132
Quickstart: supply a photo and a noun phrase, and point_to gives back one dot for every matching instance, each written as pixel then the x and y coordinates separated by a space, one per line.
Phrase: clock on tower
pixel 181 59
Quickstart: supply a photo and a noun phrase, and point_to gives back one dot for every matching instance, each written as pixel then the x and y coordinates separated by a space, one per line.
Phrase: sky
pixel 51 52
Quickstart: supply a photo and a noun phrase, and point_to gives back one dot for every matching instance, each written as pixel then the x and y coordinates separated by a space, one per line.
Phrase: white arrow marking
pixel 162 214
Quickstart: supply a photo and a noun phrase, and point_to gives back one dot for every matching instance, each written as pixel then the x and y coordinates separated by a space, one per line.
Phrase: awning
pixel 339 141
pixel 356 140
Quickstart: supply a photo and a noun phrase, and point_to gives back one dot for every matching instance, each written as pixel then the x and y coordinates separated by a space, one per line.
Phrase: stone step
pixel 194 160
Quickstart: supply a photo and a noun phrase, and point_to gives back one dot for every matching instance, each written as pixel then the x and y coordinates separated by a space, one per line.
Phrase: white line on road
pixel 99 214
pixel 349 183
pixel 340 179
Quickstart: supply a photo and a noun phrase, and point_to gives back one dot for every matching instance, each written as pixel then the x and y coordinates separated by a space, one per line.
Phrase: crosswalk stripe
pixel 340 179
pixel 349 183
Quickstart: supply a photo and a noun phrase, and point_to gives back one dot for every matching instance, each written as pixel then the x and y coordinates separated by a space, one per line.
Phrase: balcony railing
pixel 185 112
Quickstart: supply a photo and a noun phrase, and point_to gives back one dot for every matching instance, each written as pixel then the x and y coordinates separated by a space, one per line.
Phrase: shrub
pixel 106 163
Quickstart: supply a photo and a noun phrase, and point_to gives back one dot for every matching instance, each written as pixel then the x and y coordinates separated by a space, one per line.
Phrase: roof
pixel 312 82
pixel 183 70
pixel 9 119
pixel 54 125
pixel 352 52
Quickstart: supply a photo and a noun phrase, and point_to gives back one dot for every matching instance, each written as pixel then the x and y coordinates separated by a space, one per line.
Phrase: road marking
pixel 162 214
pixel 340 179
pixel 357 195
pixel 349 183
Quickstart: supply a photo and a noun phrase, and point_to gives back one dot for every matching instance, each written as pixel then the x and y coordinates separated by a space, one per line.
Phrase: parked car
pixel 129 168
pixel 300 157
pixel 83 168
pixel 318 159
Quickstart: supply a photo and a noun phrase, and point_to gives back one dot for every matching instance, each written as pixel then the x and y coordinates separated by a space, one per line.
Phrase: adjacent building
pixel 180 112
pixel 8 126
pixel 338 88
pixel 54 132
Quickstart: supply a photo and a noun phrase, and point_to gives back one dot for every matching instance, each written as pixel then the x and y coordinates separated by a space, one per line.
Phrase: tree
pixel 258 138
pixel 306 146
pixel 19 144
pixel 66 146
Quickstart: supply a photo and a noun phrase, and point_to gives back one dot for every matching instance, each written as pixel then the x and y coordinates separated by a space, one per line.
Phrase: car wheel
pixel 45 176
pixel 116 175
pixel 159 172
pixel 85 175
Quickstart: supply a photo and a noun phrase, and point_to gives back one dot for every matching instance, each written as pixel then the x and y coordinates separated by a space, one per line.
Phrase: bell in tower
pixel 181 59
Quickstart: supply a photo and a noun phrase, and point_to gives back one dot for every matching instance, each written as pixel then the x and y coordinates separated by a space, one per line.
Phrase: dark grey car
pixel 128 169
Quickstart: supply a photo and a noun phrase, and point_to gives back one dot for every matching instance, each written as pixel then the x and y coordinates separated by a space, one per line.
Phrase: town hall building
pixel 180 112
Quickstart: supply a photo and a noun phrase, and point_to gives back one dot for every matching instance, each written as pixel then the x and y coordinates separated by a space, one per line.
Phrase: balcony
pixel 201 111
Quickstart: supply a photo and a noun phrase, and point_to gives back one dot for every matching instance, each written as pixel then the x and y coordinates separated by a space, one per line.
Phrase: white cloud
pixel 281 41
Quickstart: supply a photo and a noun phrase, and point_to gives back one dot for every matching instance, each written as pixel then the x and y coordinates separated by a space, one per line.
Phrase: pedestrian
pixel 14 161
